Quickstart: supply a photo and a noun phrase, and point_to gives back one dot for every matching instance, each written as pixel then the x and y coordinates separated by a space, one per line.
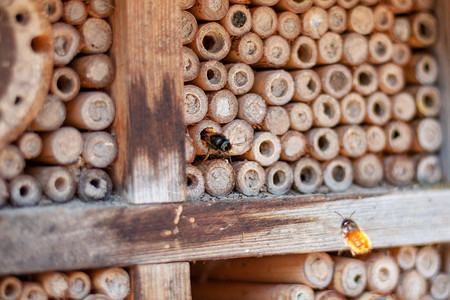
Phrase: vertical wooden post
pixel 148 92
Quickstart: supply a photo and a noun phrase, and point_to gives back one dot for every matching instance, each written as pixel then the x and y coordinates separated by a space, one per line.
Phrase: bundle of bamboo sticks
pixel 404 273
pixel 102 284
pixel 64 150
pixel 309 93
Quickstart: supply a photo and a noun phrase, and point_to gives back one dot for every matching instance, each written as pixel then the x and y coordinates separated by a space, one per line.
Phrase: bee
pixel 358 242
pixel 215 141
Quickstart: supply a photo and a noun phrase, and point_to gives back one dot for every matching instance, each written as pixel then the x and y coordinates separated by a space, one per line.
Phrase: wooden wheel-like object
pixel 26 63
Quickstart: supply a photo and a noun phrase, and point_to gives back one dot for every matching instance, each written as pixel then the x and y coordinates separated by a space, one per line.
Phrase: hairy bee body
pixel 358 241
pixel 215 141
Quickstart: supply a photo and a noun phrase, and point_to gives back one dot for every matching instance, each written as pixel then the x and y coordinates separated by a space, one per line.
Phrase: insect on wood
pixel 215 141
pixel 358 242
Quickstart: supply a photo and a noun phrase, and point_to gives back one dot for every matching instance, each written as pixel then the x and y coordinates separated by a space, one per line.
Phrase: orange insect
pixel 358 242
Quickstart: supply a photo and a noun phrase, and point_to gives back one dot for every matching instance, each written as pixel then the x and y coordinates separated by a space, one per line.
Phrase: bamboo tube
pixel 428 261
pixel 252 108
pixel 422 69
pixel 53 10
pixel 383 17
pixel 266 148
pixel 65 83
pixel 238 20
pixel 240 78
pixel 370 2
pixel 95 71
pixel 423 30
pixel 380 48
pixel 330 48
pixel 324 143
pixel 222 106
pixel 307 85
pixel 429 170
pixel 104 8
pixel 248 49
pixel 264 21
pixel 293 145
pixel 403 107
pixel 247 291
pixel 212 76
pixel 219 177
pixel 337 19
pixel 51 115
pixel 400 30
pixel 328 295
pixel 206 10
pixel 401 54
pixel 390 78
pixel 79 285
pixel 295 6
pixel 382 273
pixel 96 297
pixel 289 25
pixel 260 2
pixel 405 256
pixel 113 282
pixel 195 183
pixel 10 288
pixel 24 190
pixel 212 42
pixel 375 296
pixel 440 286
pixel 399 136
pixel 58 183
pixel 427 135
pixel 276 86
pixel 300 116
pixel 94 185
pixel 90 111
pixel 368 170
pixel 308 176
pixel 195 104
pixel 12 162
pixel 195 132
pixel 62 146
pixel 189 27
pixel 400 6
pixel 376 139
pixel 279 178
pixel 314 22
pixel 75 12
pixel 303 53
pixel 446 256
pixel 336 80
pixel 326 111
pixel 399 169
pixel 324 3
pixel 353 109
pixel 426 297
pixel 276 53
pixel 191 64
pixel 365 79
pixel 350 276
pixel 55 284
pixel 428 100
pixel 250 177
pixel 361 20
pixel 352 139
pixel 378 109
pixel 100 149
pixel 355 49
pixel 411 286
pixel 347 4
pixel 32 291
pixel 96 35
pixel 338 173
pixel 276 120
pixel 4 196
pixel 189 149
pixel 423 4
pixel 240 135
pixel 67 41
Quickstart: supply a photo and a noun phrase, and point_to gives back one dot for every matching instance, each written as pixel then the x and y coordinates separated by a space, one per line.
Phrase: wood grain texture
pixel 148 91
pixel 160 281
pixel 78 236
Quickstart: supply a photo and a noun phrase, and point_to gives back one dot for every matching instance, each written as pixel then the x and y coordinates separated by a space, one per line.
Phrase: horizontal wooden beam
pixel 78 235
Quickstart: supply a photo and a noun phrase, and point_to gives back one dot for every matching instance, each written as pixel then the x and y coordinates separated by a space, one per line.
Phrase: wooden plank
pixel 160 281
pixel 442 49
pixel 148 91
pixel 89 236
